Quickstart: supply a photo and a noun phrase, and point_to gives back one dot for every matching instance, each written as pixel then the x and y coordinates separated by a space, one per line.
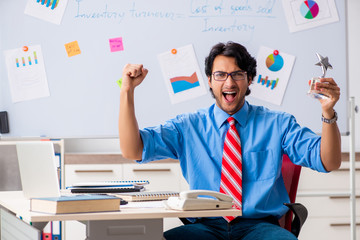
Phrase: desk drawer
pixel 162 176
pixel 327 228
pixel 338 180
pixel 92 172
pixel 328 206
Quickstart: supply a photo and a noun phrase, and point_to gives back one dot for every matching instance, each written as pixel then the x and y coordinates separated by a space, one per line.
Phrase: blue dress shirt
pixel 197 140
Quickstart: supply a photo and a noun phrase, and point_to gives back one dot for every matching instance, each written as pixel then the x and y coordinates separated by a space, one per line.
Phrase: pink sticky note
pixel 116 44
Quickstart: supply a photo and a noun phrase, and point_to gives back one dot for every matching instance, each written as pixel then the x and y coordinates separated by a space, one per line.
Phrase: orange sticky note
pixel 72 48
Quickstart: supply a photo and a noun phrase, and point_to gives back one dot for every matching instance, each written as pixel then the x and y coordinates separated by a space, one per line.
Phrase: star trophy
pixel 324 63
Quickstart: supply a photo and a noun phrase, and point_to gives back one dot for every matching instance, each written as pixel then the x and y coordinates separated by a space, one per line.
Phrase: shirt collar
pixel 240 116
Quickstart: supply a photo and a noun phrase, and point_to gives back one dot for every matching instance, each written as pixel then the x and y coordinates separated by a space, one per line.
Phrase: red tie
pixel 231 172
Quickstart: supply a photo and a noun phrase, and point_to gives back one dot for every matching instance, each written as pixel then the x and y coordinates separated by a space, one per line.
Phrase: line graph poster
pixel 305 14
pixel 47 10
pixel 182 74
pixel 274 68
pixel 26 73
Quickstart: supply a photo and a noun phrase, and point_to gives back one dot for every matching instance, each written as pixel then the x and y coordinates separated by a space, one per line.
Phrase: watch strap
pixel 330 121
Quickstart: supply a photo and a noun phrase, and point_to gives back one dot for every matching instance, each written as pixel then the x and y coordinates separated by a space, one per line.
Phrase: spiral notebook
pixel 146 196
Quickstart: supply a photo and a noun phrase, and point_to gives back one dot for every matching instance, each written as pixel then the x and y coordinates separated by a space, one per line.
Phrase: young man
pixel 257 142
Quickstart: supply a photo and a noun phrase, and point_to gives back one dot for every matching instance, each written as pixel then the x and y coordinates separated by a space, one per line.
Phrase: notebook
pixel 147 196
pixel 38 171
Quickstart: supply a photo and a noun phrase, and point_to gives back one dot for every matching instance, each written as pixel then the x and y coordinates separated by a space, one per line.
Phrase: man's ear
pixel 209 81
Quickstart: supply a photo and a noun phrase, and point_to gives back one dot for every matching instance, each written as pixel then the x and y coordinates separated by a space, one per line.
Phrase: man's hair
pixel 242 57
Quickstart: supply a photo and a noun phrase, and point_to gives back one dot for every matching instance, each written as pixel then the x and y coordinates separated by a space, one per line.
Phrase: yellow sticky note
pixel 119 82
pixel 72 48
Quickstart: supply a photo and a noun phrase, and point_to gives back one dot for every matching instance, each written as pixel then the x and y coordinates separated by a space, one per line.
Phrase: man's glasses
pixel 236 76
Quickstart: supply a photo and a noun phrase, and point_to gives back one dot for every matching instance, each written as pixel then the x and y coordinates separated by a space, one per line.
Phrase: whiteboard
pixel 84 95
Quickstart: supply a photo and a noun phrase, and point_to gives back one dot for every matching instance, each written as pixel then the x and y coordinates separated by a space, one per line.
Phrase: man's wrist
pixel 330 120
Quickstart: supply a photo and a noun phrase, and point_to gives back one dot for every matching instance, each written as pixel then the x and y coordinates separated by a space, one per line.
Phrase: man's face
pixel 229 94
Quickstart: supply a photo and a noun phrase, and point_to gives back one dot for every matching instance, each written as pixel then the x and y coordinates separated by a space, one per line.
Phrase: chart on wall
pixel 302 15
pixel 182 74
pixel 26 73
pixel 274 68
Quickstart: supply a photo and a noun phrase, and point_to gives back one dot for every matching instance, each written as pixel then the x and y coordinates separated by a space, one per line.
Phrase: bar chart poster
pixel 274 69
pixel 182 74
pixel 47 10
pixel 306 14
pixel 26 73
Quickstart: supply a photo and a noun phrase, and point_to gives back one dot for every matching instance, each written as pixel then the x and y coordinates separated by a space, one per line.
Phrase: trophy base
pixel 315 93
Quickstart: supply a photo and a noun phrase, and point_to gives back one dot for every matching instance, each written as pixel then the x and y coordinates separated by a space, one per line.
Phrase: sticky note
pixel 116 44
pixel 119 82
pixel 72 48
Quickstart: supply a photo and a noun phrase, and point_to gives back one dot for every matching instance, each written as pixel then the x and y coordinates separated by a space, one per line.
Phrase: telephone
pixel 197 200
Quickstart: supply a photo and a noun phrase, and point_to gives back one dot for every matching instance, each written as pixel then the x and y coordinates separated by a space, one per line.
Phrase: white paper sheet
pixel 49 10
pixel 182 75
pixel 302 15
pixel 273 75
pixel 26 73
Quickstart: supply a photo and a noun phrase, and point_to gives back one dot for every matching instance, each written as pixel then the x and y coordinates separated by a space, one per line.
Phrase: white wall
pixel 112 145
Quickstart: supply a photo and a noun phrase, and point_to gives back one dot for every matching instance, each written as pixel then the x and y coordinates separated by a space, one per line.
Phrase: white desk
pixel 128 223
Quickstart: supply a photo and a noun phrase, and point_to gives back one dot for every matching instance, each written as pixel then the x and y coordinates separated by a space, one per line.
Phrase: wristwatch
pixel 330 121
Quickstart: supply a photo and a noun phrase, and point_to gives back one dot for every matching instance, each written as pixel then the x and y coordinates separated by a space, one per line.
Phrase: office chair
pixel 291 175
pixel 294 219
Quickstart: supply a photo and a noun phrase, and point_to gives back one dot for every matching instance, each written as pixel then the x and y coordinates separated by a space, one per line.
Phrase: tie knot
pixel 231 121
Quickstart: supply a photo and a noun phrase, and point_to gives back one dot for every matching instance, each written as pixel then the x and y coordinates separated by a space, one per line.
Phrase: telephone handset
pixel 199 200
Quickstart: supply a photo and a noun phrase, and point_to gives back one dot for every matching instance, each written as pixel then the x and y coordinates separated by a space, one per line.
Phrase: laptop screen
pixel 37 167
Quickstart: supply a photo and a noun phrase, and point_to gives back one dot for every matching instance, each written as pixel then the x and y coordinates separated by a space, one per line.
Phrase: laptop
pixel 38 171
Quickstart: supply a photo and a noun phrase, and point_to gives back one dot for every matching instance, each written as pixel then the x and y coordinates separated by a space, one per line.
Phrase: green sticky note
pixel 119 82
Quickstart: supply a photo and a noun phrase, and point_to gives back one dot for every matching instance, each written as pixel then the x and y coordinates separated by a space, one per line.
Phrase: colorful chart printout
pixel 26 73
pixel 302 15
pixel 47 10
pixel 274 69
pixel 182 74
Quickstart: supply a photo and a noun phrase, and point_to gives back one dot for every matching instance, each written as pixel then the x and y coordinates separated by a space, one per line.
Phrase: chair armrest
pixel 300 215
pixel 185 221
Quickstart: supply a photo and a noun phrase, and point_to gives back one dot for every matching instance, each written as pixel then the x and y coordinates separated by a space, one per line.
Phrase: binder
pixel 56 230
pixel 46 233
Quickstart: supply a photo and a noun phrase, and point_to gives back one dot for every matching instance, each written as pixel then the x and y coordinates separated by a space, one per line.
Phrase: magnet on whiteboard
pixel 173 51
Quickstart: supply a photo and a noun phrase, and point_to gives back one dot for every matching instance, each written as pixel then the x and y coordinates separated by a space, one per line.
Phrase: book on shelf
pixel 146 196
pixel 75 204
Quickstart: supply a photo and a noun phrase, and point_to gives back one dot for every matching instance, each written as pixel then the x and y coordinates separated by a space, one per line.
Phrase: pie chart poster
pixel 273 72
pixel 302 15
